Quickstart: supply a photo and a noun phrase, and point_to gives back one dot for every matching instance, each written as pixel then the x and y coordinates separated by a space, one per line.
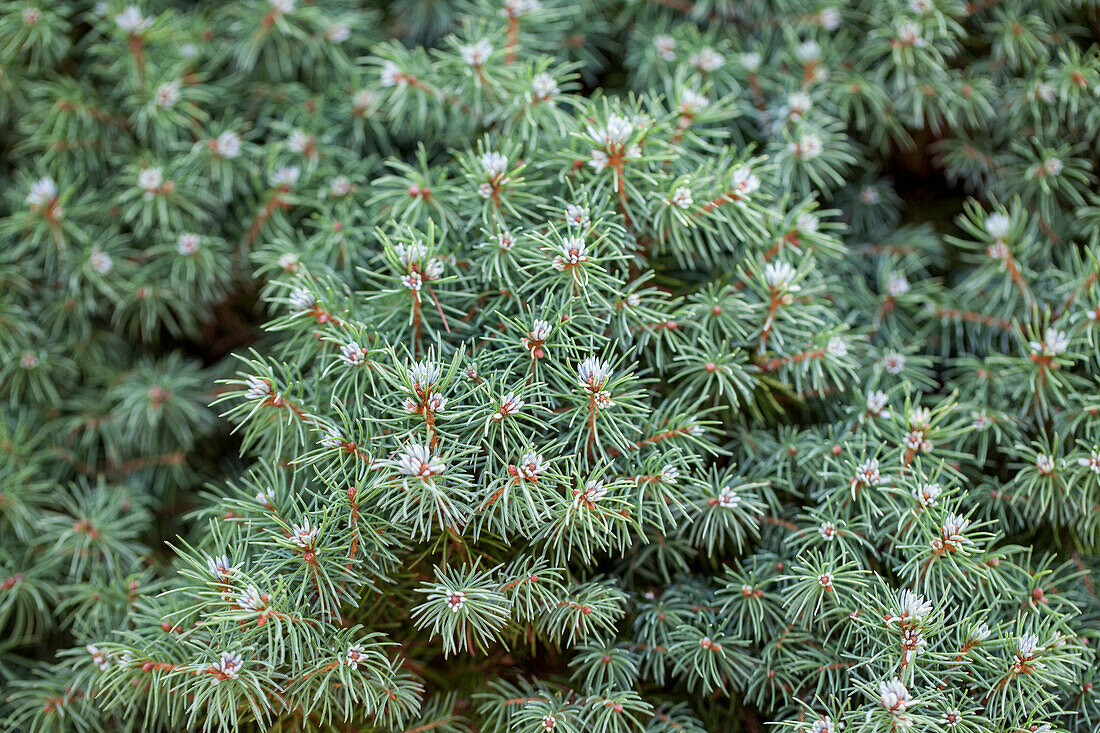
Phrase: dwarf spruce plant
pixel 514 366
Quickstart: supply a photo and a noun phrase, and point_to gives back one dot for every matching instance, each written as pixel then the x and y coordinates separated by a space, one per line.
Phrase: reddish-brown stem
pixel 439 308
pixel 682 126
pixel 727 197
pixel 769 321
pixel 790 238
pixel 274 203
pixel 616 162
pixel 779 522
pixel 522 700
pixel 972 317
pixel 669 325
pixel 430 726
pixel 354 522
pixel 1089 281
pixel 976 6
pixel 513 39
pixel 1018 280
pixel 591 420
pixel 137 49
pixel 757 92
pixel 521 581
pixel 283 403
pixel 492 499
pixel 773 364
pixel 415 83
pixel 683 6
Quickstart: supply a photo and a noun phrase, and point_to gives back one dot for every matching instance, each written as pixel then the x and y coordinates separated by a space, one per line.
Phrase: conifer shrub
pixel 514 366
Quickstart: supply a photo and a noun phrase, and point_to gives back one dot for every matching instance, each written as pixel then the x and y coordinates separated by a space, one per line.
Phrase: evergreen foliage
pixel 519 366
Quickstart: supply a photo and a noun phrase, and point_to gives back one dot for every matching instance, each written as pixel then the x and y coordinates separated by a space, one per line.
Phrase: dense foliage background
pixel 513 365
